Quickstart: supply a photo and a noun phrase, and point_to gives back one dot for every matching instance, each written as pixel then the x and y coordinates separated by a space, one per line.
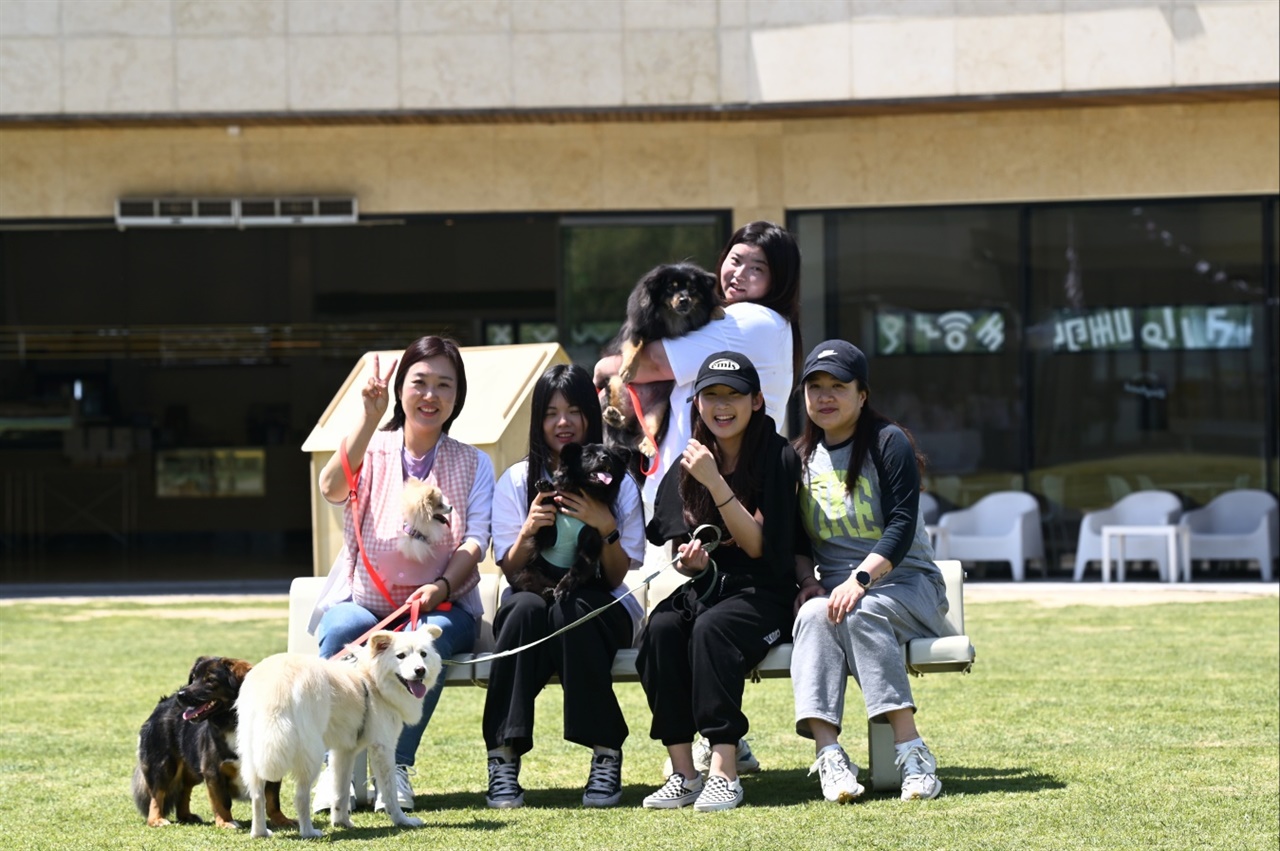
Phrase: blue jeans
pixel 346 622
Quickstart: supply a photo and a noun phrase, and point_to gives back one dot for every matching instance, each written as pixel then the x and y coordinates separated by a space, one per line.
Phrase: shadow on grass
pixel 788 787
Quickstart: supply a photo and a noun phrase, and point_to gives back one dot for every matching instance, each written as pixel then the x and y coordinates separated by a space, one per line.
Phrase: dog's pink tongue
pixel 418 690
pixel 194 712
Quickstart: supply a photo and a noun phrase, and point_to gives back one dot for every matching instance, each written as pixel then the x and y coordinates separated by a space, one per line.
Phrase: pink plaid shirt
pixel 379 487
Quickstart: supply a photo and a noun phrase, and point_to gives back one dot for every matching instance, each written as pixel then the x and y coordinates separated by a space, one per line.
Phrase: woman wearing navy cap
pixel 876 585
pixel 739 476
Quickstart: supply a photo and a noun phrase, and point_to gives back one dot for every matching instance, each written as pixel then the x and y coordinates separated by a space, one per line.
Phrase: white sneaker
pixel 839 777
pixel 919 773
pixel 747 762
pixel 322 795
pixel 678 791
pixel 719 793
pixel 404 790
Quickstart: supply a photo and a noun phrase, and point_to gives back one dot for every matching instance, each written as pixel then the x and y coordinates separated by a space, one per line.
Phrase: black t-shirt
pixel 775 568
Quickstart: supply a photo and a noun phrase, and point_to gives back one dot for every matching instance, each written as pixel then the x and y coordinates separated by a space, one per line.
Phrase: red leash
pixel 644 426
pixel 413 606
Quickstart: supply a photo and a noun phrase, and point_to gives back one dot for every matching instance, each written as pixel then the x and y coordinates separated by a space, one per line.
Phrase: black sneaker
pixel 604 783
pixel 505 791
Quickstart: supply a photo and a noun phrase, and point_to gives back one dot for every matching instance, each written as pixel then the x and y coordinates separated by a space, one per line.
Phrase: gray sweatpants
pixel 906 604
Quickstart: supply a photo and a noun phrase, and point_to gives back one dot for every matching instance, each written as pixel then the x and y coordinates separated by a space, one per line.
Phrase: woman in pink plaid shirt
pixel 429 391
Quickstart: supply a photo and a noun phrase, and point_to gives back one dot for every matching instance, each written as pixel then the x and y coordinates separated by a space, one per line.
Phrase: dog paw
pixel 627 374
pixel 343 821
pixel 647 449
pixel 310 834
pixel 409 821
pixel 227 824
pixel 613 417
pixel 260 833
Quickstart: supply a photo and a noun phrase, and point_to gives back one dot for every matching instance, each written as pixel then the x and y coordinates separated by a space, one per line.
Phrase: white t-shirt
pixel 747 328
pixel 509 513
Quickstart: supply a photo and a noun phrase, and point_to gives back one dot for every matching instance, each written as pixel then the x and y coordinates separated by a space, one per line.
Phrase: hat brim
pixel 733 382
pixel 840 372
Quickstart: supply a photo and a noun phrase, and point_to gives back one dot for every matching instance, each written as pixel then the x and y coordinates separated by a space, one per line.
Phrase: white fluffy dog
pixel 426 519
pixel 293 707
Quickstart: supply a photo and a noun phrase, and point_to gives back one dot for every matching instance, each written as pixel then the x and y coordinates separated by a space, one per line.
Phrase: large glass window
pixel 602 257
pixel 1150 365
pixel 933 297
pixel 1078 351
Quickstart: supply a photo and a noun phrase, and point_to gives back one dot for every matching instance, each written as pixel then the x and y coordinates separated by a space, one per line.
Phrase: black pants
pixel 694 659
pixel 582 657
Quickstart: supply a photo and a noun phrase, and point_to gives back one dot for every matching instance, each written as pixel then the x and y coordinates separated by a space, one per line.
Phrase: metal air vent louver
pixel 235 212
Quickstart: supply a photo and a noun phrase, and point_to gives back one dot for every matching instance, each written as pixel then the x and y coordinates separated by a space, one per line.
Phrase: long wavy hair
pixel 747 479
pixel 870 422
pixel 419 350
pixel 574 383
pixel 783 256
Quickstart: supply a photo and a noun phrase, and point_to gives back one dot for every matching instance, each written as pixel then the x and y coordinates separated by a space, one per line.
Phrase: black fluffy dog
pixel 670 301
pixel 592 470
pixel 188 741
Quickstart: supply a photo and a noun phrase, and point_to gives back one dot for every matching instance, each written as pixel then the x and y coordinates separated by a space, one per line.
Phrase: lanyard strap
pixel 644 426
pixel 359 522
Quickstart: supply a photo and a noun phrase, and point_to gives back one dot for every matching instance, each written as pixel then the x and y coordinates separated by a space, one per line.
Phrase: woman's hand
pixel 808 590
pixel 542 512
pixel 430 596
pixel 591 512
pixel 701 464
pixel 693 558
pixel 845 596
pixel 375 393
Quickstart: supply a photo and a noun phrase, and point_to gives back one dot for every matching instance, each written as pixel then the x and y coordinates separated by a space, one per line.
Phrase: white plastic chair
pixel 1002 526
pixel 1143 508
pixel 1236 525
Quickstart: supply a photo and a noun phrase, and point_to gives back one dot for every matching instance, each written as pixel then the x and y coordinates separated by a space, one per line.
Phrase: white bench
pixel 950 653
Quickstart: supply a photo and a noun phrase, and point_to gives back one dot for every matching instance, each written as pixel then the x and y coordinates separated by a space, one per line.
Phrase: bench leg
pixel 880 756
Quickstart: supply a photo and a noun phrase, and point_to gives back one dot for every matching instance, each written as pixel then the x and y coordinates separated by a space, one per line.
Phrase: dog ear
pixel 380 641
pixel 433 631
pixel 238 667
pixel 199 663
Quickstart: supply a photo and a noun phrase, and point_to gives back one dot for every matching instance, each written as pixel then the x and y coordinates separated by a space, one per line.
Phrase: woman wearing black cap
pixel 876 585
pixel 738 475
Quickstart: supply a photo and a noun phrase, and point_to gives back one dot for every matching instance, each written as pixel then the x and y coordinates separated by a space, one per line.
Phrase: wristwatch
pixel 613 536
pixel 863 578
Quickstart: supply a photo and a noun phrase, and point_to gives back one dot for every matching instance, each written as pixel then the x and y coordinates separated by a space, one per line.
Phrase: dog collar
pixel 414 533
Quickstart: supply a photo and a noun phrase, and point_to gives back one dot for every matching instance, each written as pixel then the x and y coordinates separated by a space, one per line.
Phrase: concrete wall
pixel 184 57
pixel 755 168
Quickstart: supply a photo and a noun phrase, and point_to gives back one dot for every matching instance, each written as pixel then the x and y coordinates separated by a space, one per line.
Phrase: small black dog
pixel 593 470
pixel 670 301
pixel 188 740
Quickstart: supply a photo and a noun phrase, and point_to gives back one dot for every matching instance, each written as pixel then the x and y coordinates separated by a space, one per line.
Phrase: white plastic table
pixel 1178 538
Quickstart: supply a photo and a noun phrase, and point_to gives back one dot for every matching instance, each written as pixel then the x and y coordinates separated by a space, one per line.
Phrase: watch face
pixel 863 578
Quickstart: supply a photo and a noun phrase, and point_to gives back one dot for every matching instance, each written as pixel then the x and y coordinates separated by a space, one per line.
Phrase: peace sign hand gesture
pixel 375 393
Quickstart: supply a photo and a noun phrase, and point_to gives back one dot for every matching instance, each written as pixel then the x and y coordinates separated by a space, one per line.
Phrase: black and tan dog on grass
pixel 190 739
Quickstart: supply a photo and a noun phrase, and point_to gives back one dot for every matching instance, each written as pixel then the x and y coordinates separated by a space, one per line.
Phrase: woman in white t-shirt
pixel 759 276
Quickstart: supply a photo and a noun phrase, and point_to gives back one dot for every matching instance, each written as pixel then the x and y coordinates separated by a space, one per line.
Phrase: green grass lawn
pixel 1080 727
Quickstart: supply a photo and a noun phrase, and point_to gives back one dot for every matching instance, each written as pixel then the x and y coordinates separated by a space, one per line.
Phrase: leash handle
pixel 644 427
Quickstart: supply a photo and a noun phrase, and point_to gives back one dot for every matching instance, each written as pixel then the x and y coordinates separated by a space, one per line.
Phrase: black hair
pixel 783 256
pixel 574 383
pixel 419 350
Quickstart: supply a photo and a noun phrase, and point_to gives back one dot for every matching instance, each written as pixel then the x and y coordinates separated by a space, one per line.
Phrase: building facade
pixel 1051 224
